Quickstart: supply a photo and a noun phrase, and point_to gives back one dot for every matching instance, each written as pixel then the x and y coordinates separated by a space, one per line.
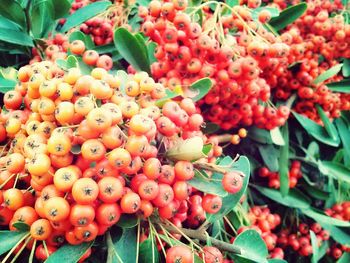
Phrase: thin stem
pixel 20 251
pixel 14 247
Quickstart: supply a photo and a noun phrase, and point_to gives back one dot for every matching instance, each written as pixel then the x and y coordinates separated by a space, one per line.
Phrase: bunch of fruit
pixel 294 175
pixel 187 50
pixel 84 149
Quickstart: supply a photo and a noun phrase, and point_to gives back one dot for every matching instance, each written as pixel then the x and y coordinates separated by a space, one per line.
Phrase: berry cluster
pixel 294 175
pixel 188 50
pixel 81 152
pixel 340 211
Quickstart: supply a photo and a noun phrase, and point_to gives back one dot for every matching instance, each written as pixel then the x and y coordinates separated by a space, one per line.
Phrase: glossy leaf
pixel 322 218
pixel 84 13
pixel 200 88
pixel 342 86
pixel 283 162
pixel 6 85
pixel 337 171
pixel 208 185
pixel 69 253
pixel 315 192
pixel 295 198
pixel 270 156
pixel 78 35
pixel 122 248
pixel 328 125
pixel 314 243
pixel 61 8
pixel 132 49
pixel 315 130
pixel 230 201
pixel 7 23
pixel 277 137
pixel 41 13
pixel 288 16
pixel 148 251
pixel 337 233
pixel 344 132
pixel 328 74
pixel 15 37
pixel 12 10
pixel 8 239
pixel 257 252
pixel 20 226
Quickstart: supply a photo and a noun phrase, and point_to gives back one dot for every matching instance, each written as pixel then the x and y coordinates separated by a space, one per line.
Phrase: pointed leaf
pixel 200 88
pixel 288 16
pixel 8 239
pixel 283 163
pixel 15 37
pixel 12 10
pixel 345 138
pixel 342 86
pixel 328 74
pixel 295 198
pixel 148 251
pixel 328 125
pixel 337 171
pixel 337 233
pixel 322 218
pixel 170 94
pixel 315 130
pixel 132 49
pixel 20 226
pixel 84 13
pixel 270 156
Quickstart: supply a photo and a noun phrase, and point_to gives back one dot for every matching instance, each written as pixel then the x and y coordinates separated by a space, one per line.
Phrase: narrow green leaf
pixel 288 16
pixel 283 162
pixel 295 198
pixel 231 200
pixel 78 35
pixel 324 219
pixel 8 239
pixel 125 245
pixel 7 23
pixel 328 74
pixel 314 243
pixel 61 8
pixel 148 251
pixel 20 226
pixel 151 47
pixel 277 137
pixel 342 86
pixel 131 49
pixel 260 135
pixel 328 125
pixel 337 171
pixel 200 88
pixel 12 10
pixel 346 67
pixel 69 253
pixel 257 252
pixel 211 185
pixel 85 13
pixel 6 85
pixel 315 192
pixel 270 156
pixel 345 139
pixel 15 37
pixel 315 130
pixel 41 14
pixel 337 233
pixel 345 258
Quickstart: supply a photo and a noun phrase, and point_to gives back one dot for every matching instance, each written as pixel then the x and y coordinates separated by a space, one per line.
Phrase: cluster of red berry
pixel 317 40
pixel 188 51
pixel 294 175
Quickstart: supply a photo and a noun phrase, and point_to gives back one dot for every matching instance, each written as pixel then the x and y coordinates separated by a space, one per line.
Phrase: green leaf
pixel 109 48
pixel 170 94
pixel 288 16
pixel 123 247
pixel 148 251
pixel 69 253
pixel 6 85
pixel 324 219
pixel 331 130
pixel 207 148
pixel 314 243
pixel 337 171
pixel 132 49
pixel 210 128
pixel 276 260
pixel 342 86
pixel 345 258
pixel 41 14
pixel 295 198
pixel 8 239
pixel 85 13
pixel 78 35
pixel 257 252
pixel 200 88
pixel 344 132
pixel 7 23
pixel 62 64
pixel 230 201
pixel 270 156
pixel 260 135
pixel 315 192
pixel 337 233
pixel 127 221
pixel 15 37
pixel 315 130
pixel 61 8
pixel 211 185
pixel 328 74
pixel 20 226
pixel 346 67
pixel 151 47
pixel 12 10
pixel 283 163
pixel 276 136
